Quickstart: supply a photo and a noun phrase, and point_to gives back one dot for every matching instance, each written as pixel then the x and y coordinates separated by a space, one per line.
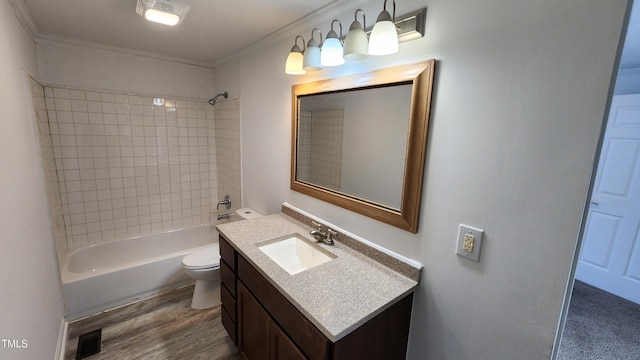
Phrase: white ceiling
pixel 212 30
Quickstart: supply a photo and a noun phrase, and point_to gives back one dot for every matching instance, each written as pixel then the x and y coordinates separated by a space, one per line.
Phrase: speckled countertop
pixel 337 296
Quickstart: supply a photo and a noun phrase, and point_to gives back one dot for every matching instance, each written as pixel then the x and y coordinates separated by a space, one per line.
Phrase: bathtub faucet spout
pixel 223 216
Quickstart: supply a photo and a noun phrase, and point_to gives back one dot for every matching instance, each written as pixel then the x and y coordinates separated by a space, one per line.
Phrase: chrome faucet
pixel 223 216
pixel 226 202
pixel 325 237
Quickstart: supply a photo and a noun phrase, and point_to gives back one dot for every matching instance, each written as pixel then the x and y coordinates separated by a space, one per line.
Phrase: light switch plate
pixel 469 242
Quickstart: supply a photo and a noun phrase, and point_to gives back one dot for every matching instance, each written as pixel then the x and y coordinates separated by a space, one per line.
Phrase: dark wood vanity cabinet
pixel 265 325
pixel 260 338
pixel 228 288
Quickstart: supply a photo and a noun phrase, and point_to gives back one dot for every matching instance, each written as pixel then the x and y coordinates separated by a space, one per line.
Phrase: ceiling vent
pixel 162 11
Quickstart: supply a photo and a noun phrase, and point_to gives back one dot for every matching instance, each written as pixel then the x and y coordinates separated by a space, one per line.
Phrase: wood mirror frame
pixel 421 76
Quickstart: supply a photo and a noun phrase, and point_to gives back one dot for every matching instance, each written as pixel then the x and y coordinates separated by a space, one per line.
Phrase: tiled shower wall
pixel 227 125
pixel 49 168
pixel 130 165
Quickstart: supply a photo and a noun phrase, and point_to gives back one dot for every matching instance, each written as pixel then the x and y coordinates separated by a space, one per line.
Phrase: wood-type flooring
pixel 159 327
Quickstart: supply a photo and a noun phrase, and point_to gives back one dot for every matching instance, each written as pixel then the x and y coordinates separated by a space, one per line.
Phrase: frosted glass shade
pixel 356 44
pixel 311 60
pixel 331 54
pixel 161 17
pixel 294 64
pixel 384 38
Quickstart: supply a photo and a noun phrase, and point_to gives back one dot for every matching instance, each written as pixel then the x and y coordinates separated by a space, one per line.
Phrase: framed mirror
pixel 359 141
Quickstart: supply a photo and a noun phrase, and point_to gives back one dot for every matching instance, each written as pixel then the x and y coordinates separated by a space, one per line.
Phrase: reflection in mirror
pixel 345 139
pixel 359 141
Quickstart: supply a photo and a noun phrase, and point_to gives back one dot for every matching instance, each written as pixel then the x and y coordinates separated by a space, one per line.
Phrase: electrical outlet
pixel 469 242
pixel 467 246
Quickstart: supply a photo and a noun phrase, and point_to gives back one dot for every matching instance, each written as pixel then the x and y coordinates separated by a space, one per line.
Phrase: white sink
pixel 294 254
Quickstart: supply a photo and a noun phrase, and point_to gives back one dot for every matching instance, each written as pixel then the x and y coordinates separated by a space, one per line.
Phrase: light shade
pixel 332 54
pixel 161 17
pixel 356 44
pixel 311 60
pixel 293 65
pixel 162 11
pixel 384 35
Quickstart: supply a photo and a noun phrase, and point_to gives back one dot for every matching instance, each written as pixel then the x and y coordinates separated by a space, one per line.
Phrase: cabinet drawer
pixel 228 302
pixel 229 325
pixel 227 253
pixel 228 278
pixel 306 336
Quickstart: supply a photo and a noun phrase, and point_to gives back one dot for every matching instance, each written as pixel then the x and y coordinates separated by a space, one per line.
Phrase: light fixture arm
pixel 319 32
pixel 364 18
pixel 333 33
pixel 385 16
pixel 295 47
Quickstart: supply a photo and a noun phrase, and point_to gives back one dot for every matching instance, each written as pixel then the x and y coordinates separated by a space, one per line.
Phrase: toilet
pixel 203 265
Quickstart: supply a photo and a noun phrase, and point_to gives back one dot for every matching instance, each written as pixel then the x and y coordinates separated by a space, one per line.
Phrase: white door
pixel 610 255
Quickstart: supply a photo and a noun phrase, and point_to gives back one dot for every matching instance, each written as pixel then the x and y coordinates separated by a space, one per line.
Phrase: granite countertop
pixel 337 296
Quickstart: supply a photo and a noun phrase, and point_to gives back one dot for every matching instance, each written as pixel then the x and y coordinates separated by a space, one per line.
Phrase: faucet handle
pixel 317 225
pixel 331 233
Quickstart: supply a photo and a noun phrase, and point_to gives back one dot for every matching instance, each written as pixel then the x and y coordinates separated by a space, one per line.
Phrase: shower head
pixel 213 100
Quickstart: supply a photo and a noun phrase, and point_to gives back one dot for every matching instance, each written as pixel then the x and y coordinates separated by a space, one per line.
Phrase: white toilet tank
pixel 248 213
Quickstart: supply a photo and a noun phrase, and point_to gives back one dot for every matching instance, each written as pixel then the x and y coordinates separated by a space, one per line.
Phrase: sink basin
pixel 294 254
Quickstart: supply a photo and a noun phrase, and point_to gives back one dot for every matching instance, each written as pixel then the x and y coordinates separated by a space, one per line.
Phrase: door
pixel 282 348
pixel 259 337
pixel 254 325
pixel 610 255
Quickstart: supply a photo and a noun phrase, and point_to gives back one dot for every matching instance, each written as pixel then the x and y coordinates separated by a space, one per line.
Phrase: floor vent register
pixel 89 344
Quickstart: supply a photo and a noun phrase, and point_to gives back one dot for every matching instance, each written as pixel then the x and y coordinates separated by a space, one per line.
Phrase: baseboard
pixel 62 340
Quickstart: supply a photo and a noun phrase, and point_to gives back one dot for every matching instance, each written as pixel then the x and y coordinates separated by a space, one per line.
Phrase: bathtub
pixel 106 275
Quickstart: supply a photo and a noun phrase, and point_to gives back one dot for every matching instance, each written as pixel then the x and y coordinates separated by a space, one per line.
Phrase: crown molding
pixel 309 21
pixel 20 9
pixel 56 40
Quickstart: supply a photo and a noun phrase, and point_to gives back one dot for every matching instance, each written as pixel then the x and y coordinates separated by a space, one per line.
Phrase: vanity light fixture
pixel 356 44
pixel 162 11
pixel 295 58
pixel 384 36
pixel 311 59
pixel 332 52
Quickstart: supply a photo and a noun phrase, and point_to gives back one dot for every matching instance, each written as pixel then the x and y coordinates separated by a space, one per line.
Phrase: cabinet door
pixel 254 326
pixel 282 348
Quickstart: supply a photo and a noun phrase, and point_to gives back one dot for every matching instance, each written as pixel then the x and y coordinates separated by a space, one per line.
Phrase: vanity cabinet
pixel 228 288
pixel 266 325
pixel 260 338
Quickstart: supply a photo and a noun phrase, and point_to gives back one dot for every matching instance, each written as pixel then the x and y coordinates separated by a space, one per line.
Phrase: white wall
pixel 31 306
pixel 92 67
pixel 519 97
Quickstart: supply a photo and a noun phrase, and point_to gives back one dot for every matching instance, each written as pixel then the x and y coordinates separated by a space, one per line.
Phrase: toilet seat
pixel 206 258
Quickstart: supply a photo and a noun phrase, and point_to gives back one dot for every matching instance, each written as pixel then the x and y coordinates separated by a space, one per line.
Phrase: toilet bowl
pixel 203 266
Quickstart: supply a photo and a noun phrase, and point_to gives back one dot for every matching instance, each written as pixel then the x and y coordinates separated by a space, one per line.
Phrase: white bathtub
pixel 103 276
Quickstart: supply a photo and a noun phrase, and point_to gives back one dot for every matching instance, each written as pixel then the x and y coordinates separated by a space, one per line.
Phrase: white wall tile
pixel 128 167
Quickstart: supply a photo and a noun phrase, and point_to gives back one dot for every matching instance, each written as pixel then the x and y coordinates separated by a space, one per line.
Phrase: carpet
pixel 600 326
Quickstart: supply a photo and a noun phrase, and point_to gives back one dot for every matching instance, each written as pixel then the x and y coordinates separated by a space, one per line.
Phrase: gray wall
pixel 520 93
pixel 31 306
